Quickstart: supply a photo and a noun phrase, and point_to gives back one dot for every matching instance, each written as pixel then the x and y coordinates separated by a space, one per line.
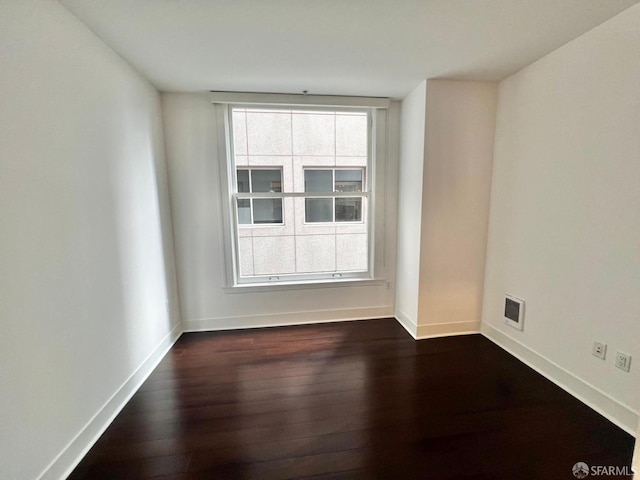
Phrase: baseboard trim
pixel 447 329
pixel 436 330
pixel 616 412
pixel 71 455
pixel 407 323
pixel 284 319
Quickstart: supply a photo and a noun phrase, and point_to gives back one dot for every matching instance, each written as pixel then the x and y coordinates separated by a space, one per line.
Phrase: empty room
pixel 331 239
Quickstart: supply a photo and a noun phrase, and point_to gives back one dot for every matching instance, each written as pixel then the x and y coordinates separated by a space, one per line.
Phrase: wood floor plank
pixel 350 400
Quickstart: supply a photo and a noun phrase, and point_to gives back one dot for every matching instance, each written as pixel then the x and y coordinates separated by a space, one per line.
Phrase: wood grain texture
pixel 352 400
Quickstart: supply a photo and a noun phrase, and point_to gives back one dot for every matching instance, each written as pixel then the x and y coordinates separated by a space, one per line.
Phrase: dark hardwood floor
pixel 349 400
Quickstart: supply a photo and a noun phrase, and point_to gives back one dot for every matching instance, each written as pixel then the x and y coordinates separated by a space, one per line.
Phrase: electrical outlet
pixel 599 350
pixel 623 361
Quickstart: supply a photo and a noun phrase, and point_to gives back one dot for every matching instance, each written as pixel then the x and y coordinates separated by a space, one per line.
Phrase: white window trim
pixel 274 287
pixel 377 185
pixel 287 99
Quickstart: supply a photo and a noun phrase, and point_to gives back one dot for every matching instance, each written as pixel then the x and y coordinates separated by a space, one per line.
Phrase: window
pixel 333 209
pixel 300 190
pixel 256 211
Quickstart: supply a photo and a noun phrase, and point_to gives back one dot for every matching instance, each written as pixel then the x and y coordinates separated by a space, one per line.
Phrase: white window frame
pixel 377 110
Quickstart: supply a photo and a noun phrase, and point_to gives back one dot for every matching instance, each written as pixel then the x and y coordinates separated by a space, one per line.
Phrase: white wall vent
pixel 514 312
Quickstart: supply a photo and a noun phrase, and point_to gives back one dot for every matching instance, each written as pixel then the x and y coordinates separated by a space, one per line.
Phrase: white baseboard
pixel 618 413
pixel 447 329
pixel 408 324
pixel 283 319
pixel 62 466
pixel 436 330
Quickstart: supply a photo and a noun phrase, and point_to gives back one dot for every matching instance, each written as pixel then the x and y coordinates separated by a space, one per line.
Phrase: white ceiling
pixel 345 47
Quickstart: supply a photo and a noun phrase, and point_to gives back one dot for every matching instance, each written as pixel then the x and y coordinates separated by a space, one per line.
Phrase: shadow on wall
pixel 143 234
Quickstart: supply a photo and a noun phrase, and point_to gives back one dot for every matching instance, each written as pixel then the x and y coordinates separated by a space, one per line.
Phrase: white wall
pixel 565 214
pixel 447 132
pixel 412 137
pixel 85 239
pixel 192 152
pixel 460 126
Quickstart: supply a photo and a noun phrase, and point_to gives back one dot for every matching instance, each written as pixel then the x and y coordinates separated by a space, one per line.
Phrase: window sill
pixel 311 284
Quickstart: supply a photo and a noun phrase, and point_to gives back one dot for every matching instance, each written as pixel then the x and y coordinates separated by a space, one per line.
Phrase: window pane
pixel 318 209
pixel 244 211
pixel 348 180
pixel 318 181
pixel 349 209
pixel 267 210
pixel 266 180
pixel 332 235
pixel 243 180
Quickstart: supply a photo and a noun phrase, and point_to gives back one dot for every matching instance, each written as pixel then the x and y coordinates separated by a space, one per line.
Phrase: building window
pixel 300 183
pixel 259 211
pixel 333 209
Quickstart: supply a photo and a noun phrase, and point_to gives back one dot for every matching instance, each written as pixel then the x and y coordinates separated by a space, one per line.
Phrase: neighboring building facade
pixel 304 152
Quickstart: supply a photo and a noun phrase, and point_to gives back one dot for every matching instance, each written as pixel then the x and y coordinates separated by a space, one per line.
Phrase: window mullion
pixel 333 202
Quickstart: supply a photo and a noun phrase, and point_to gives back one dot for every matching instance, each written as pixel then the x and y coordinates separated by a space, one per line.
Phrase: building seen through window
pixel 301 192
